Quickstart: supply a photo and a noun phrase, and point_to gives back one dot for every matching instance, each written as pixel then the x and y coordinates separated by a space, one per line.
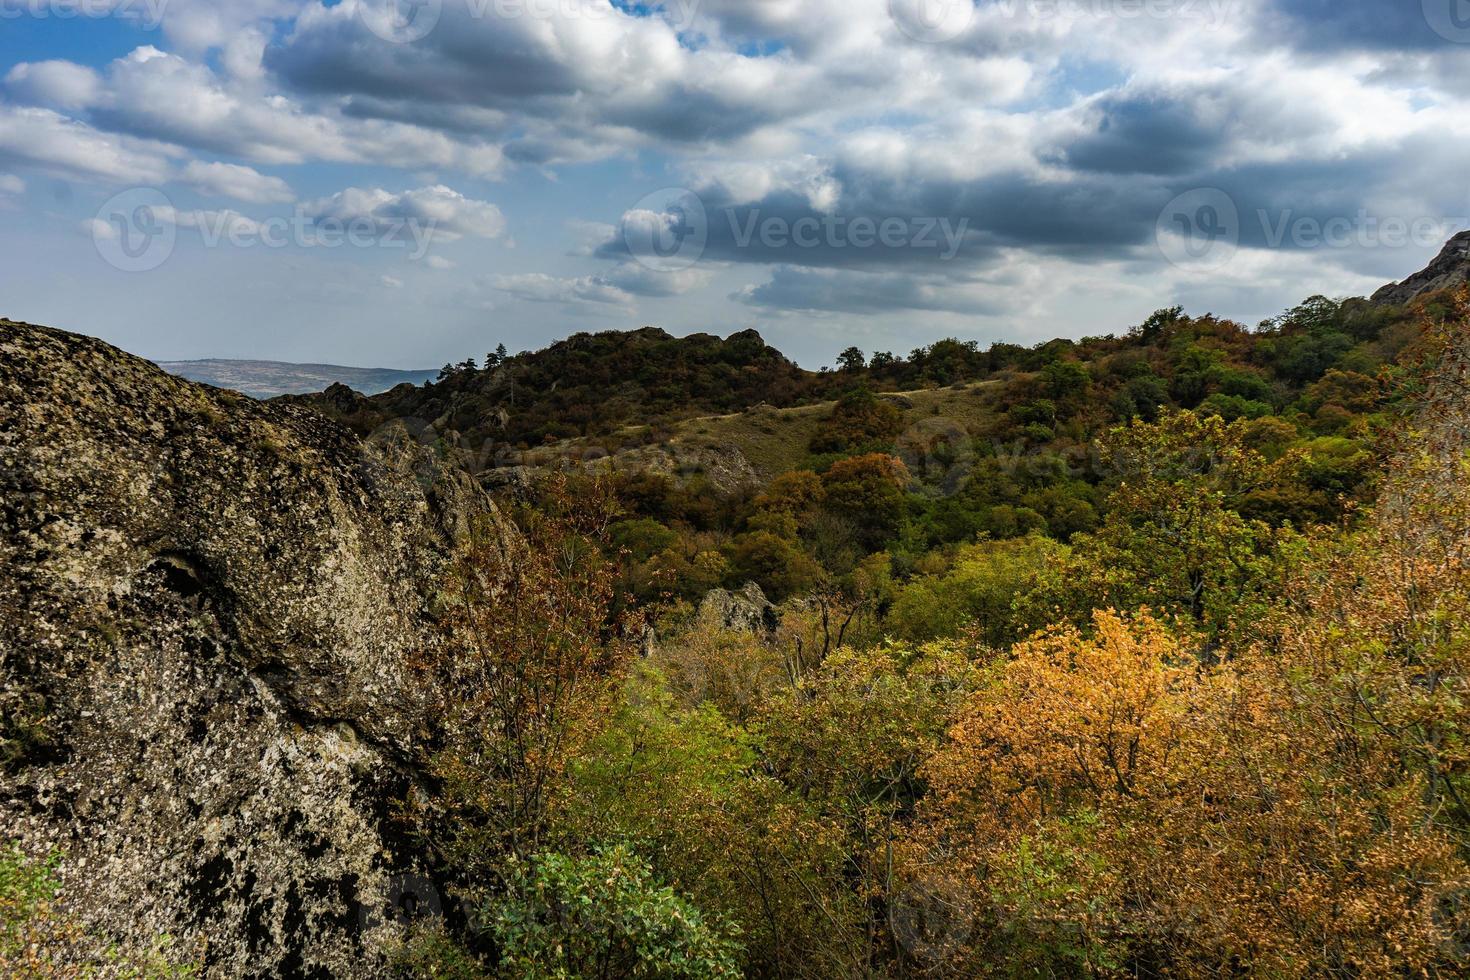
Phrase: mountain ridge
pixel 271 379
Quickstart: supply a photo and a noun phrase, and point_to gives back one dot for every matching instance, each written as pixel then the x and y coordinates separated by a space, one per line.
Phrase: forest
pixel 1175 686
pixel 1138 656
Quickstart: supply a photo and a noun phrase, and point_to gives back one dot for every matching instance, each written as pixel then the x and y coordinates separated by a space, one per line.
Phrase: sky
pixel 402 183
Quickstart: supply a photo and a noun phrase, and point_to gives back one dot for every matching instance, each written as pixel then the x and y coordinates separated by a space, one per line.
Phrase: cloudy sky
pixel 405 182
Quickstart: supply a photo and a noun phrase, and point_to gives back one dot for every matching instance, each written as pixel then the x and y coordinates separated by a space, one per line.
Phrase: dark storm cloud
pixel 1333 25
pixel 593 70
pixel 866 293
pixel 1141 134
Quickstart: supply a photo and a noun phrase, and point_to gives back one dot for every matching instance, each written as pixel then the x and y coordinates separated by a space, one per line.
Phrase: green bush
pixel 603 916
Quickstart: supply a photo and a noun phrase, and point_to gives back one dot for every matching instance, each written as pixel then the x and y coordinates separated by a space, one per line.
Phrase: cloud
pixel 538 287
pixel 643 281
pixel 235 181
pixel 51 143
pixel 1323 25
pixel 55 84
pixel 1045 134
pixel 160 96
pixel 11 184
pixel 867 293
pixel 443 213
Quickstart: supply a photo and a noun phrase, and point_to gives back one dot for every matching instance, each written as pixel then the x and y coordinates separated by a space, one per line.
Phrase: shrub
pixel 603 916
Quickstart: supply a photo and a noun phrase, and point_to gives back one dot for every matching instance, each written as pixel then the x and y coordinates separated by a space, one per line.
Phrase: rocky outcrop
pixel 1450 269
pixel 746 611
pixel 206 604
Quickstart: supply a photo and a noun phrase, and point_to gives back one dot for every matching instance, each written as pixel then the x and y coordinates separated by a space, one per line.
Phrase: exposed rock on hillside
pixel 746 611
pixel 205 605
pixel 1450 269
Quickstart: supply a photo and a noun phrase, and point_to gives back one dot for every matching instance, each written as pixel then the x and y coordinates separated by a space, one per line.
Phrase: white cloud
pixel 538 287
pixel 49 142
pixel 160 96
pixel 99 230
pixel 55 84
pixel 235 181
pixel 442 212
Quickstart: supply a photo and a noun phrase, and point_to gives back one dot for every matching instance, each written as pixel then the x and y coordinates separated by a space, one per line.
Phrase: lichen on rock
pixel 206 608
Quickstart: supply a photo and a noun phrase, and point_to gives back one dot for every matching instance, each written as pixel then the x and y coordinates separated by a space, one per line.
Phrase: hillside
pixel 682 403
pixel 876 643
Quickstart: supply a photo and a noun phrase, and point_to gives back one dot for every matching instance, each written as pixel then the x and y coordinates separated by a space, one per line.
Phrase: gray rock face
pixel 205 608
pixel 1450 269
pixel 746 611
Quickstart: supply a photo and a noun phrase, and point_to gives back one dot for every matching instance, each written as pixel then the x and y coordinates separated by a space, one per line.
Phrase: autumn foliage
pixel 1194 739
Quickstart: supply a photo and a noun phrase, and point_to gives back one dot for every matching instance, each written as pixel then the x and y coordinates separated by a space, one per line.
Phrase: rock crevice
pixel 206 608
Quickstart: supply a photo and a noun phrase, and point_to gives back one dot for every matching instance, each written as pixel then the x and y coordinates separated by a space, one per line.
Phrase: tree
pixel 532 651
pixel 869 492
pixel 1173 537
pixel 774 562
pixel 1107 802
pixel 860 421
pixel 1066 380
pixel 852 360
pixel 977 592
pixel 603 916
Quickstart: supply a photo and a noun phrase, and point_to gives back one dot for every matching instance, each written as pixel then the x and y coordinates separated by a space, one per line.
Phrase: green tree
pixel 869 492
pixel 567 918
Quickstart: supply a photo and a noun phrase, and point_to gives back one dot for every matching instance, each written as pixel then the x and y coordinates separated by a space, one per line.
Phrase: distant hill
pixel 592 384
pixel 269 379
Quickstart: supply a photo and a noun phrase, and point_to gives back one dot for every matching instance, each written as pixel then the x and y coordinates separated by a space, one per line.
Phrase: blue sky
pixel 408 182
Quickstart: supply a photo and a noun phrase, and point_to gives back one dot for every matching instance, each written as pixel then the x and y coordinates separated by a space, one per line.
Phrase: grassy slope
pixel 775 440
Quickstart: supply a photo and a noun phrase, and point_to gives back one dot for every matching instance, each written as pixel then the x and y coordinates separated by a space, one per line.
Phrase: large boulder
pixel 207 605
pixel 745 611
